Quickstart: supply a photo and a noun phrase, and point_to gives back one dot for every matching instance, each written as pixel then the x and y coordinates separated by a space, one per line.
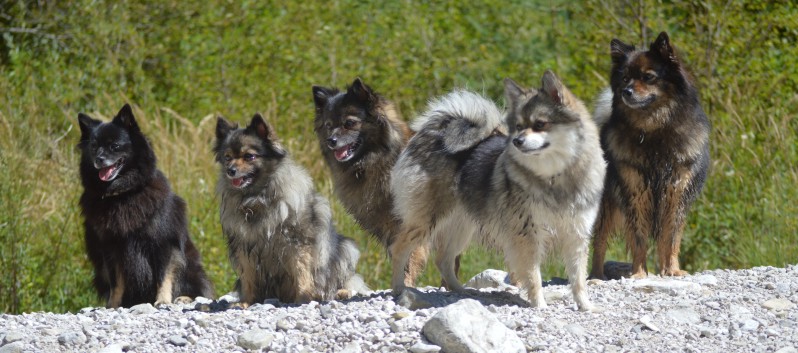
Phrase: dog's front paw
pixel 639 275
pixel 674 273
pixel 343 294
pixel 590 308
pixel 183 300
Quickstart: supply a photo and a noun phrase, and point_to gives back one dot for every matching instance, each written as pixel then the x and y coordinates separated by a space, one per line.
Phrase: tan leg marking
pixel 165 287
pixel 672 216
pixel 117 291
pixel 608 221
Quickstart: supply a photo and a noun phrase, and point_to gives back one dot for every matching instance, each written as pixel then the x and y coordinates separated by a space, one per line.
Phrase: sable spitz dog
pixel 524 194
pixel 361 135
pixel 656 142
pixel 136 231
pixel 280 238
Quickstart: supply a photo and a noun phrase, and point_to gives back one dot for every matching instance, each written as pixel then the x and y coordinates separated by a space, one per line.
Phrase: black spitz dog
pixel 136 230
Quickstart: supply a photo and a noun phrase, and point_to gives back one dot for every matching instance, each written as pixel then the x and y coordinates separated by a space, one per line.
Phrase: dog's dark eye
pixel 115 147
pixel 649 77
pixel 626 79
pixel 328 125
pixel 349 124
pixel 249 156
pixel 519 127
pixel 228 158
pixel 539 126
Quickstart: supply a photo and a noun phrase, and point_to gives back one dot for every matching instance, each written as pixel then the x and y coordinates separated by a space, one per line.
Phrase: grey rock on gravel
pixel 466 326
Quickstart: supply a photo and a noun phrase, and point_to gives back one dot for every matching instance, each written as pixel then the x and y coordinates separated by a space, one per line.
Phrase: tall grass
pixel 182 63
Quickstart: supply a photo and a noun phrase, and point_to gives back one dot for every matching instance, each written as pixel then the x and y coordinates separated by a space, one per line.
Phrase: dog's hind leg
pixel 166 287
pixel 416 264
pixel 451 238
pixel 607 222
pixel 410 237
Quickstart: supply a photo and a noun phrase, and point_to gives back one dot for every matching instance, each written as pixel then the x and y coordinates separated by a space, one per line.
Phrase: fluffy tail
pixel 463 119
pixel 603 108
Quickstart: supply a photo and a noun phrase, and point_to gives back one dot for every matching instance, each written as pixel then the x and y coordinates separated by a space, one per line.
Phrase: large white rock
pixel 778 304
pixel 490 279
pixel 674 287
pixel 467 326
pixel 255 339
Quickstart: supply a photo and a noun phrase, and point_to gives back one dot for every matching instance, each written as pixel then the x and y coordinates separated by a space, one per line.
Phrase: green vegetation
pixel 181 63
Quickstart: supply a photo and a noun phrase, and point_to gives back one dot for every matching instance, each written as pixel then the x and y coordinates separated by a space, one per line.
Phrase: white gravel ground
pixel 750 310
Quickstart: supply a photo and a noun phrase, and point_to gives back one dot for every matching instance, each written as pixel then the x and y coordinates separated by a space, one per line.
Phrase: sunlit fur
pixel 656 141
pixel 136 228
pixel 525 193
pixel 280 238
pixel 370 123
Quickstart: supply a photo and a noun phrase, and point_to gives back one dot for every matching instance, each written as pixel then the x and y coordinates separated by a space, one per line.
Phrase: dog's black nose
pixel 627 92
pixel 231 171
pixel 518 141
pixel 332 142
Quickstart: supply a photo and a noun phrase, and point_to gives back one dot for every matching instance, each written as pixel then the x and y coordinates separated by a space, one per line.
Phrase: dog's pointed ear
pixel 662 46
pixel 223 128
pixel 321 95
pixel 126 119
pixel 512 91
pixel 553 87
pixel 261 127
pixel 620 51
pixel 87 124
pixel 266 133
pixel 362 92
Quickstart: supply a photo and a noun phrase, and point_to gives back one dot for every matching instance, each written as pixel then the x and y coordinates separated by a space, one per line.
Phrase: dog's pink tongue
pixel 107 172
pixel 237 181
pixel 342 153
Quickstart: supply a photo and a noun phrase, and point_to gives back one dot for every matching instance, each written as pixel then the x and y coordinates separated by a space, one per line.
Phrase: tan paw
pixel 343 294
pixel 675 273
pixel 183 300
pixel 639 275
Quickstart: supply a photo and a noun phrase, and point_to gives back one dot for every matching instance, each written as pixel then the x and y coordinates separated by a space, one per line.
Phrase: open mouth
pixel 345 153
pixel 241 182
pixel 112 171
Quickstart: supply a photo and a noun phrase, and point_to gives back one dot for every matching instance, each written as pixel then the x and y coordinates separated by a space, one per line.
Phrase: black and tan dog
pixel 136 230
pixel 656 143
pixel 361 135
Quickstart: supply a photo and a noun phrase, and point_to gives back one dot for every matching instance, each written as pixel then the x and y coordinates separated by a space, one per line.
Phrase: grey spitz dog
pixel 280 238
pixel 524 193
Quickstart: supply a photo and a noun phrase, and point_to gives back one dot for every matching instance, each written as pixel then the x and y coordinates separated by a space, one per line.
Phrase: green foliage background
pixel 181 63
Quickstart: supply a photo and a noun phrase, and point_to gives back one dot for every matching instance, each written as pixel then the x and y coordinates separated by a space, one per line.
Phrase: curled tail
pixel 463 118
pixel 603 108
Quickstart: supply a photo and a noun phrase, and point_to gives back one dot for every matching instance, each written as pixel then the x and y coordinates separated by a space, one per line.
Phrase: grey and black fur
pixel 361 134
pixel 136 229
pixel 656 141
pixel 525 194
pixel 280 238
